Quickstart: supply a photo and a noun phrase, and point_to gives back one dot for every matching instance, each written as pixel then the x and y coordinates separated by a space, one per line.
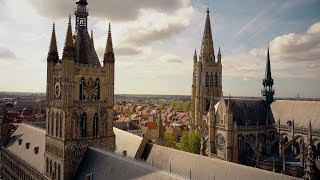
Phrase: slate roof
pixel 127 141
pixel 85 52
pixel 300 111
pixel 203 167
pixel 248 110
pixel 106 165
pixel 36 138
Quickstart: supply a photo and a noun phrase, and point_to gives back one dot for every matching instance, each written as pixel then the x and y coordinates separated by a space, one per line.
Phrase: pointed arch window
pixel 207 80
pixel 83 125
pixel 97 85
pixel 95 125
pixel 216 79
pixel 211 79
pixel 57 124
pixel 60 127
pixel 82 84
pixel 47 165
pixel 51 123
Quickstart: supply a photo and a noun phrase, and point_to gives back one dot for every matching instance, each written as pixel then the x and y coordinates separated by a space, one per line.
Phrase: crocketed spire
pixel 109 54
pixel 53 55
pixel 267 90
pixel 195 59
pixel 69 51
pixel 207 49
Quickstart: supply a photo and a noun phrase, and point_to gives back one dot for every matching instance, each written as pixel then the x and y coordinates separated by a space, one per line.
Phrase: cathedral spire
pixel 68 50
pixel 195 59
pixel 207 49
pixel 108 53
pixel 267 90
pixel 53 55
pixel 219 56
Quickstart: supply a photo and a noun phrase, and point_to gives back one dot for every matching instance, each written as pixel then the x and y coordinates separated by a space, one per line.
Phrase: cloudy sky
pixel 154 42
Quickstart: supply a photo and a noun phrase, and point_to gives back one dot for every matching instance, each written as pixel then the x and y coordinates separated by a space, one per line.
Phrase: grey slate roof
pixel 202 167
pixel 106 165
pixel 127 141
pixel 248 110
pixel 85 51
pixel 36 138
pixel 300 111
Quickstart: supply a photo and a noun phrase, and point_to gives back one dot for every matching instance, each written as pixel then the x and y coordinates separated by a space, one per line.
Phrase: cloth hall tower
pixel 80 96
pixel 207 76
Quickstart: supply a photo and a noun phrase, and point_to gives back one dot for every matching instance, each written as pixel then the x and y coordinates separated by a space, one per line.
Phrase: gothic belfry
pixel 80 100
pixel 267 91
pixel 207 76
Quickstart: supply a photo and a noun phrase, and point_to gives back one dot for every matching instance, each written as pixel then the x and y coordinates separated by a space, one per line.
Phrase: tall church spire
pixel 53 55
pixel 109 54
pixel 219 56
pixel 69 51
pixel 267 90
pixel 207 49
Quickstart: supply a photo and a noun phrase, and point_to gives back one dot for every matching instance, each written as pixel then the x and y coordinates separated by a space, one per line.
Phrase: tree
pixel 184 142
pixel 190 142
pixel 169 140
pixel 194 142
pixel 163 106
pixel 186 106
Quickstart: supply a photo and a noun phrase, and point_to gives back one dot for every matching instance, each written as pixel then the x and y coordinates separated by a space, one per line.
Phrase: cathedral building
pixel 277 135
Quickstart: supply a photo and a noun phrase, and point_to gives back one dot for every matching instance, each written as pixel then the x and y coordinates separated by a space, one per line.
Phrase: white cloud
pixel 6 53
pixel 115 10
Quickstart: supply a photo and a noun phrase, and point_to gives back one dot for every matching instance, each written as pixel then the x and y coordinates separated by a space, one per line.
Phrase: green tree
pixel 194 142
pixel 169 140
pixel 184 142
pixel 163 106
pixel 190 142
pixel 186 106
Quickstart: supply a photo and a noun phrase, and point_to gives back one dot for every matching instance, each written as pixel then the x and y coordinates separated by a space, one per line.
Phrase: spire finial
pixel 108 53
pixel 68 51
pixel 53 55
pixel 208 11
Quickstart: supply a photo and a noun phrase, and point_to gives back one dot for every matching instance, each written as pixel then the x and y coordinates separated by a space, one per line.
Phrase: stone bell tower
pixel 80 98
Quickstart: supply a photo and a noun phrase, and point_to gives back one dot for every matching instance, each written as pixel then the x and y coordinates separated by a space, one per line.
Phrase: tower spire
pixel 68 51
pixel 195 59
pixel 207 49
pixel 53 55
pixel 267 90
pixel 219 56
pixel 108 53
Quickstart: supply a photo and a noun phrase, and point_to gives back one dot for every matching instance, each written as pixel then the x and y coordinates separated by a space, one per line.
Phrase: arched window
pixel 211 79
pixel 95 125
pixel 51 123
pixel 207 80
pixel 47 165
pixel 97 97
pixel 216 79
pixel 57 124
pixel 83 125
pixel 59 172
pixel 50 169
pixel 82 84
pixel 60 128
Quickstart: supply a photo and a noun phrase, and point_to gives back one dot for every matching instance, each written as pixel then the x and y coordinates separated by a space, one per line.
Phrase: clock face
pixel 90 90
pixel 221 142
pixel 57 90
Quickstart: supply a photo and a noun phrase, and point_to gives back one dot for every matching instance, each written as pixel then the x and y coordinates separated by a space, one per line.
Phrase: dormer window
pixel 36 150
pixel 27 145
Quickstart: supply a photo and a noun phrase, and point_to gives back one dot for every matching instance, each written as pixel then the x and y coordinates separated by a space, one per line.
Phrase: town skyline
pixel 158 60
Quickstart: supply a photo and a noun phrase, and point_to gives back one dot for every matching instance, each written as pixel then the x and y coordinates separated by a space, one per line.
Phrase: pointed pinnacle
pixel 219 52
pixel 108 53
pixel 68 50
pixel 109 47
pixel 53 50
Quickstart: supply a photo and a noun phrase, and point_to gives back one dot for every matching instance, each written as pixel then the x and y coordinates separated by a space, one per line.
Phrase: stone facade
pixel 80 100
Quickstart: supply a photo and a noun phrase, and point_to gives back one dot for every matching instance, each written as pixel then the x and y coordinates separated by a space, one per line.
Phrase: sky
pixel 154 42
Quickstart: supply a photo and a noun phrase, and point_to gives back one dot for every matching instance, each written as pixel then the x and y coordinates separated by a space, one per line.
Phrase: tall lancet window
pixel 216 79
pixel 95 125
pixel 82 84
pixel 97 85
pixel 207 80
pixel 83 125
